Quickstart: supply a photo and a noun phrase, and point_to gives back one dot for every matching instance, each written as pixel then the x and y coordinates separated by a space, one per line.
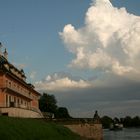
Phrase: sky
pixel 85 52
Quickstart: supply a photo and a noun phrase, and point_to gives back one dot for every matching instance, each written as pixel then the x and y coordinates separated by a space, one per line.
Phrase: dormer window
pixel 6 66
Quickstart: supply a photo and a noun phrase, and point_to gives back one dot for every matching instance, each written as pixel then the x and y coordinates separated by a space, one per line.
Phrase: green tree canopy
pixel 62 112
pixel 47 103
pixel 127 121
pixel 106 121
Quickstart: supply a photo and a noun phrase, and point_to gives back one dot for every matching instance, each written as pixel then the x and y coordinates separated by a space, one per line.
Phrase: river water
pixel 125 134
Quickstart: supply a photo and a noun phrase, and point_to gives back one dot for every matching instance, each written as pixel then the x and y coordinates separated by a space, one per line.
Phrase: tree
pixel 62 112
pixel 136 121
pixel 116 120
pixel 106 121
pixel 127 121
pixel 47 103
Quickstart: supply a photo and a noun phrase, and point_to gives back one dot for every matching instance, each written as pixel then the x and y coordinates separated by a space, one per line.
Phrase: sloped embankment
pixel 31 129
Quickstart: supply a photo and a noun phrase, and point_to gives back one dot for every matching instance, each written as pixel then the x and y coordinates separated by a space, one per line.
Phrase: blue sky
pixel 30 30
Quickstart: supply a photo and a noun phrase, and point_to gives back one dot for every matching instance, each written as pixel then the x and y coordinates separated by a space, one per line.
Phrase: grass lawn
pixel 31 129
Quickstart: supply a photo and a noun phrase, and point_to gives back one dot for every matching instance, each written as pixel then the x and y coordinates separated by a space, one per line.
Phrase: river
pixel 125 134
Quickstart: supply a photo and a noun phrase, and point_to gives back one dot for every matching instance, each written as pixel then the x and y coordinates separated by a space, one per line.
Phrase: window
pixel 9 98
pixel 14 99
pixel 6 82
pixel 18 101
pixel 9 84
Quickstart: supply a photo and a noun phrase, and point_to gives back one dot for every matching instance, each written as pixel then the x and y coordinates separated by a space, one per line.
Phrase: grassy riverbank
pixel 31 129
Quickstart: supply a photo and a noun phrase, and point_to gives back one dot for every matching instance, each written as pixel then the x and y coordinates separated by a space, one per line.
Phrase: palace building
pixel 17 97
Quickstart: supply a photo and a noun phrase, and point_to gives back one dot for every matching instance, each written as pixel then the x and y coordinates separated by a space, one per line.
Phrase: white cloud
pixel 57 82
pixel 32 74
pixel 109 40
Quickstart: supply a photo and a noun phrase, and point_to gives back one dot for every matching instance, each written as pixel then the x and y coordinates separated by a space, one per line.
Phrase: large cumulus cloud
pixel 109 40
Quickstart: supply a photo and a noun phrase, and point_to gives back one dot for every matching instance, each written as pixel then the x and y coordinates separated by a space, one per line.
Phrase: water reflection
pixel 125 134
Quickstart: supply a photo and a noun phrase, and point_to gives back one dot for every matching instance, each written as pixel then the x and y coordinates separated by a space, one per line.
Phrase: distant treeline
pixel 126 121
pixel 48 105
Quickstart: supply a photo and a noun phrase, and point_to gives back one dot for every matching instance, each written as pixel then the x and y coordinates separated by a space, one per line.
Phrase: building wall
pixel 19 112
pixel 2 96
pixel 90 131
pixel 2 99
pixel 17 100
pixel 16 86
pixel 15 93
pixel 21 95
pixel 1 80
